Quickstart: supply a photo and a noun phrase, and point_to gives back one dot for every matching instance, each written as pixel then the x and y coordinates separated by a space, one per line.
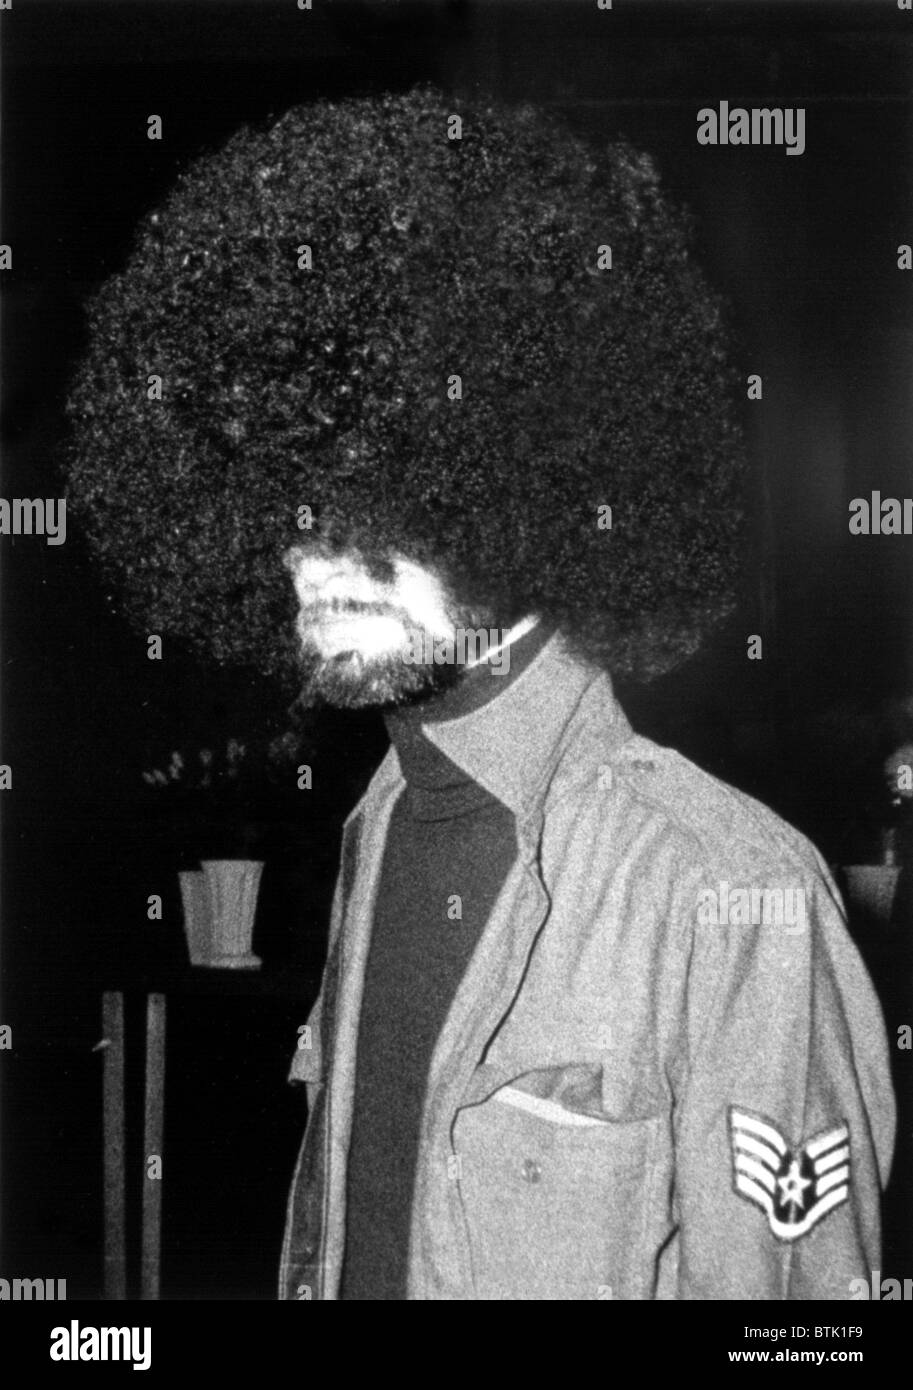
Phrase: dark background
pixel 806 250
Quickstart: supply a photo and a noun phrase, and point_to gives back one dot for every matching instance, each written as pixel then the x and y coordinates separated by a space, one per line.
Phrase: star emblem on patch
pixel 794 1185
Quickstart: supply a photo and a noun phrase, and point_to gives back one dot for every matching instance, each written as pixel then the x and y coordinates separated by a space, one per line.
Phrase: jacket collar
pixel 548 730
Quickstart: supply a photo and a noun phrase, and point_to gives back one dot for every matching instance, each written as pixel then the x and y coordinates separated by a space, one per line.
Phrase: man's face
pixel 360 628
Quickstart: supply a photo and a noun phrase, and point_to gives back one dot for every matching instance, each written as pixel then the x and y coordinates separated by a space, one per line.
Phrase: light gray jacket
pixel 664 1074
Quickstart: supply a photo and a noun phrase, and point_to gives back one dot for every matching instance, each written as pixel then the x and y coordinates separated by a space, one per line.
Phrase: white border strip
pixel 544 1109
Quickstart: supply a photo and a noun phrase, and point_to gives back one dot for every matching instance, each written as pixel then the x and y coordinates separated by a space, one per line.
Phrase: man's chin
pixel 350 681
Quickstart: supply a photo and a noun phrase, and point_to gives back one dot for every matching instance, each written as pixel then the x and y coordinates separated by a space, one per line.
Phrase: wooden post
pixel 153 1135
pixel 112 1023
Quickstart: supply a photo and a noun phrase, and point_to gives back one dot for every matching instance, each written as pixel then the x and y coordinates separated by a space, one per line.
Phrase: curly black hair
pixel 430 257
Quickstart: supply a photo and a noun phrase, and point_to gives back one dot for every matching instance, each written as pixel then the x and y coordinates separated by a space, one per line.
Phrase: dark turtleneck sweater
pixel 449 847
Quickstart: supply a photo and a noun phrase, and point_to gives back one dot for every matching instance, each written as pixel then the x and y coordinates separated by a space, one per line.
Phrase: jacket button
pixel 531 1170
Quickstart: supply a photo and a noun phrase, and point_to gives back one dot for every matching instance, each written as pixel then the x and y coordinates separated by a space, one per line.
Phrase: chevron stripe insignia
pixel 794 1185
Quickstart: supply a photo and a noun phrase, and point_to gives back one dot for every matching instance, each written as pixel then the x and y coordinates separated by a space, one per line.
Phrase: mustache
pixel 315 609
pixel 343 605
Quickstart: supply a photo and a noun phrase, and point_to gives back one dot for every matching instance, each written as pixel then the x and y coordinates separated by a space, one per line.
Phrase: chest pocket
pixel 555 1201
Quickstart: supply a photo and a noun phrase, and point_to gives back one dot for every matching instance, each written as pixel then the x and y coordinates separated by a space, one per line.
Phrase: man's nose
pixel 327 577
pixel 312 563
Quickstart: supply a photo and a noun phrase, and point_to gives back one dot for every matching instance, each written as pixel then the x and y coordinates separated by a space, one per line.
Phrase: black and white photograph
pixel 456 767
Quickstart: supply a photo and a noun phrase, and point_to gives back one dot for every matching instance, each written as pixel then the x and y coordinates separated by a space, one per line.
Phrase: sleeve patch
pixel 795 1185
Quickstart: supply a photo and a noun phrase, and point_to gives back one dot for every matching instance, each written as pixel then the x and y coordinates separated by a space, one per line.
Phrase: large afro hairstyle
pixel 325 379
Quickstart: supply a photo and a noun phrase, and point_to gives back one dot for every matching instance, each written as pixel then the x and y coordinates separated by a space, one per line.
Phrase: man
pixel 591 1026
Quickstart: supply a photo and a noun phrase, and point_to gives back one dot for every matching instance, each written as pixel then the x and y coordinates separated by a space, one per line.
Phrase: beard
pixel 349 680
pixel 353 678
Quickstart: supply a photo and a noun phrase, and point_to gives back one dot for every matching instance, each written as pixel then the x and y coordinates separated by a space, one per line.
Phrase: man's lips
pixel 330 618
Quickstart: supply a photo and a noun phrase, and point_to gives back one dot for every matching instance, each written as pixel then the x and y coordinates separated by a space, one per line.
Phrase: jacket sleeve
pixel 308 1060
pixel 784 1128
